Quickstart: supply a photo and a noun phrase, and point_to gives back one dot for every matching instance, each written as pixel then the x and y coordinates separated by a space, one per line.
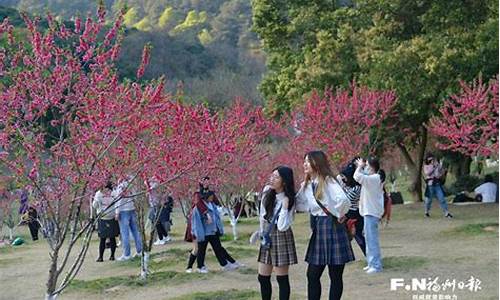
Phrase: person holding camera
pixel 371 207
pixel 353 192
pixel 277 247
pixel 322 196
pixel 434 173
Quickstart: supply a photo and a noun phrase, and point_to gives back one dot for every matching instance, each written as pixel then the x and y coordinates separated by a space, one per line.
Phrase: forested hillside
pixel 206 45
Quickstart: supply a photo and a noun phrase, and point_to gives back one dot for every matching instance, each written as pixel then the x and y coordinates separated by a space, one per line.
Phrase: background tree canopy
pixel 221 49
pixel 420 49
pixel 208 45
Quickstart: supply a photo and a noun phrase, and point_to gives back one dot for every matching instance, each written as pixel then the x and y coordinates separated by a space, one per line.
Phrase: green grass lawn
pixel 412 247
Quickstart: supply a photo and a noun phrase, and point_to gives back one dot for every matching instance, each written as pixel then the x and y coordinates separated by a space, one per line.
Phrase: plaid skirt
pixel 329 243
pixel 282 251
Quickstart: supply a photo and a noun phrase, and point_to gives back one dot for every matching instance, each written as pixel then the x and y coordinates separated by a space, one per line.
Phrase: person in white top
pixel 107 227
pixel 276 215
pixel 126 216
pixel 371 207
pixel 322 196
pixel 488 190
pixel 434 173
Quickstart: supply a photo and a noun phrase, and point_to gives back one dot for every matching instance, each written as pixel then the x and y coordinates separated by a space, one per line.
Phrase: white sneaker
pixel 167 239
pixel 159 242
pixel 227 267
pixel 202 270
pixel 373 271
pixel 136 255
pixel 123 258
pixel 366 268
pixel 237 265
pixel 189 270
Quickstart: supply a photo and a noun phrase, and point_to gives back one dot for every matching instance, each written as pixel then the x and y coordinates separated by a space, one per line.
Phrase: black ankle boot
pixel 192 259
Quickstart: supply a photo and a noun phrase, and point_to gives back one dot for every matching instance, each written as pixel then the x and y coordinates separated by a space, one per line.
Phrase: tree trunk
pixel 144 265
pixel 52 280
pixel 461 166
pixel 11 233
pixel 465 165
pixel 479 167
pixel 415 166
pixel 416 185
pixel 234 224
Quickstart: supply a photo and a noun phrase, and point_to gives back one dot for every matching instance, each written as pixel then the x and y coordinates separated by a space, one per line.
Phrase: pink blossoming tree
pixel 468 121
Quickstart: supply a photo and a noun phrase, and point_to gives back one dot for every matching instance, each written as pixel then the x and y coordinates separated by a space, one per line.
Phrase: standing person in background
pixel 126 215
pixel 371 207
pixel 276 216
pixel 33 222
pixel 202 208
pixel 329 245
pixel 107 227
pixel 167 220
pixel 433 175
pixel 203 194
pixel 155 209
pixel 353 192
pixel 207 228
pixel 163 222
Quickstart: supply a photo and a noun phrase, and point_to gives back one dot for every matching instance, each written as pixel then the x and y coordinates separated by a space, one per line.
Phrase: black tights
pixel 266 287
pixel 314 273
pixel 102 246
pixel 192 258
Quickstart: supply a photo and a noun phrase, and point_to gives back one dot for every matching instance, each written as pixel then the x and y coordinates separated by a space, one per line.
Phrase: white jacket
pixel 285 217
pixel 104 204
pixel 334 199
pixel 125 203
pixel 371 200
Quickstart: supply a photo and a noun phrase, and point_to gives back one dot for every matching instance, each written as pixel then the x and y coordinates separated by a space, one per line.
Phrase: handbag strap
pixel 273 220
pixel 325 210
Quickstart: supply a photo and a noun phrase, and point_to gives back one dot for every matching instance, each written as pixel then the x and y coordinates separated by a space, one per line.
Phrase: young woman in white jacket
pixel 371 207
pixel 276 216
pixel 324 199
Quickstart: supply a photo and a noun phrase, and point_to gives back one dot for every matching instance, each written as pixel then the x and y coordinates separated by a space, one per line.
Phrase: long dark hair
pixel 348 172
pixel 375 165
pixel 286 175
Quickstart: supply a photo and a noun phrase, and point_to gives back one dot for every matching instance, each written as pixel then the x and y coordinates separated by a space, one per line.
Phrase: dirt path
pixel 412 247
